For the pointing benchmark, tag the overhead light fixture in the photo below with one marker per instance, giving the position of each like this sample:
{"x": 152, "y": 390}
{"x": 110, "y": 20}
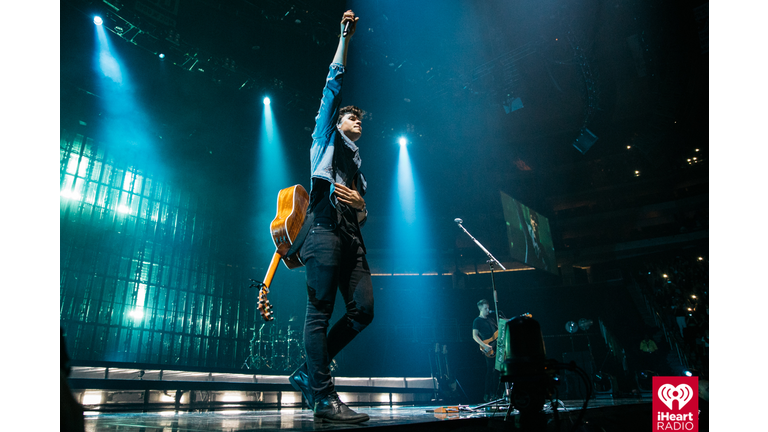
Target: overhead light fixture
{"x": 585, "y": 140}
{"x": 97, "y": 20}
{"x": 266, "y": 101}
{"x": 585, "y": 324}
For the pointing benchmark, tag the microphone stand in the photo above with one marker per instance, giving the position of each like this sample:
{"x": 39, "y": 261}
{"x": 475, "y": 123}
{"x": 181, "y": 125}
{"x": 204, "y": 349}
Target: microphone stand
{"x": 491, "y": 261}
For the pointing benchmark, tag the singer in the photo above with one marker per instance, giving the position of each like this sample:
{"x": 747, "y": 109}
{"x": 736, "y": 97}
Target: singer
{"x": 333, "y": 251}
{"x": 484, "y": 332}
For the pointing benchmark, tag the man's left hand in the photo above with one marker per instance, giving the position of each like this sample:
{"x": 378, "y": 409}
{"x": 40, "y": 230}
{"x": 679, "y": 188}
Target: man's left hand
{"x": 349, "y": 196}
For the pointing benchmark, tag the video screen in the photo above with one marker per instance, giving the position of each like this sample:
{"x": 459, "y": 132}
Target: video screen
{"x": 530, "y": 240}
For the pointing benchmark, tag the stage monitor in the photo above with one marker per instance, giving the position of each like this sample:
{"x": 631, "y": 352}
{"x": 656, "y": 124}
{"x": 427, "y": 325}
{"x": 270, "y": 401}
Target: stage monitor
{"x": 530, "y": 240}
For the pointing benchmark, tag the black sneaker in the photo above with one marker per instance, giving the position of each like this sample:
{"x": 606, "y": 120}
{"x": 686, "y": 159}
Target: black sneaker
{"x": 300, "y": 381}
{"x": 331, "y": 409}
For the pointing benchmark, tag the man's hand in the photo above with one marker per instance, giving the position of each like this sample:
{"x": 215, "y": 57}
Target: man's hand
{"x": 349, "y": 17}
{"x": 349, "y": 196}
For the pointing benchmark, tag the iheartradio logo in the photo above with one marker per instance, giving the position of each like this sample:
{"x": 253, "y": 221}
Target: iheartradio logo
{"x": 682, "y": 394}
{"x": 671, "y": 416}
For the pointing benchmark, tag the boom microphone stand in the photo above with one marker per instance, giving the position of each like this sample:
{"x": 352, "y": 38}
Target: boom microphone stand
{"x": 491, "y": 261}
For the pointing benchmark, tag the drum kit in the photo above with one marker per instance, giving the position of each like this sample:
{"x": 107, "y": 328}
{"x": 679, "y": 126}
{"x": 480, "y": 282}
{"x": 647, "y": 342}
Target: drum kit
{"x": 276, "y": 348}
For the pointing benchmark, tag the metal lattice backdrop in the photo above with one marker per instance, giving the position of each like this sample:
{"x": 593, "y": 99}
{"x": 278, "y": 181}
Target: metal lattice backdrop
{"x": 142, "y": 278}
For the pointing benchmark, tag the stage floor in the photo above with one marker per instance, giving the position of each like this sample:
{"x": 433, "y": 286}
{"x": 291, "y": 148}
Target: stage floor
{"x": 400, "y": 418}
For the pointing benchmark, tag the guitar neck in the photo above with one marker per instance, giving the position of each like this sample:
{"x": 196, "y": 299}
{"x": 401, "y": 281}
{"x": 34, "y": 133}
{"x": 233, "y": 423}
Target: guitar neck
{"x": 272, "y": 268}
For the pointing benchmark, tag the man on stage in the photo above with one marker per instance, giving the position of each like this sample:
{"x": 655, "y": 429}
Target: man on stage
{"x": 333, "y": 251}
{"x": 484, "y": 327}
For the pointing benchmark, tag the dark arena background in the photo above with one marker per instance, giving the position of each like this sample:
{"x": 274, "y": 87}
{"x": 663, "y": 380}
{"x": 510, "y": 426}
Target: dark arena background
{"x": 570, "y": 138}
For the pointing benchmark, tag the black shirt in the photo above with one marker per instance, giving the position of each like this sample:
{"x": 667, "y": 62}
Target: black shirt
{"x": 342, "y": 215}
{"x": 486, "y": 327}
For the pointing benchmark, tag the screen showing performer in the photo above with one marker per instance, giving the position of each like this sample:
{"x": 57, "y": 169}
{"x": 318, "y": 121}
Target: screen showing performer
{"x": 530, "y": 240}
{"x": 333, "y": 250}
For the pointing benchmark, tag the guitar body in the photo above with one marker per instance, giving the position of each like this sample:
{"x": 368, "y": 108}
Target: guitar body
{"x": 292, "y": 203}
{"x": 491, "y": 353}
{"x": 292, "y": 206}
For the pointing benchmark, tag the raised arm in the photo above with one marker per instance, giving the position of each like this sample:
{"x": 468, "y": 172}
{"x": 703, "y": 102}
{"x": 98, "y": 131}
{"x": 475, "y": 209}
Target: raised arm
{"x": 341, "y": 50}
{"x": 331, "y": 101}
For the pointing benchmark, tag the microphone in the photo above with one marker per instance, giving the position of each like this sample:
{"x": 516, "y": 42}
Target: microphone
{"x": 458, "y": 221}
{"x": 346, "y": 29}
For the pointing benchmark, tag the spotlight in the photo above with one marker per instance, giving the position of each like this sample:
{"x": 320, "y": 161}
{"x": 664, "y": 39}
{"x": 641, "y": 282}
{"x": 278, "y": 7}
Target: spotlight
{"x": 664, "y": 276}
{"x": 97, "y": 20}
{"x": 403, "y": 142}
{"x": 688, "y": 373}
{"x": 266, "y": 101}
{"x": 162, "y": 56}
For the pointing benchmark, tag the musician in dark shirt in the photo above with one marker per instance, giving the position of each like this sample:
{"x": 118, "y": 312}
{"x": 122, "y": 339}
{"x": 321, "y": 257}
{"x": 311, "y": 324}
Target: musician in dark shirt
{"x": 485, "y": 327}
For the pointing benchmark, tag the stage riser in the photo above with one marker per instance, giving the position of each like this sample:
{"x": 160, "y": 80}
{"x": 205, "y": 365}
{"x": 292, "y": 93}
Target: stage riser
{"x": 158, "y": 400}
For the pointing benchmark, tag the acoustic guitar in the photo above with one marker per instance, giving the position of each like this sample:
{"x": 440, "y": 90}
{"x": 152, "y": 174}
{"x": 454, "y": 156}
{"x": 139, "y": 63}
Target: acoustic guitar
{"x": 292, "y": 203}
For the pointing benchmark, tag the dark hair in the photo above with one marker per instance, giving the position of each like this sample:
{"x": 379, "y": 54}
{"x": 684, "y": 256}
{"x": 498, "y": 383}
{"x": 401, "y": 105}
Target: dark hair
{"x": 481, "y": 303}
{"x": 349, "y": 109}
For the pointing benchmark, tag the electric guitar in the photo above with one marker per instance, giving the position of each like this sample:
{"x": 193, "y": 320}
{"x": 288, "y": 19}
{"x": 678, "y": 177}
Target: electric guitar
{"x": 490, "y": 352}
{"x": 292, "y": 203}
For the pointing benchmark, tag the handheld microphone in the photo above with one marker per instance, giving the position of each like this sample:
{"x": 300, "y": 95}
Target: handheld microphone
{"x": 458, "y": 221}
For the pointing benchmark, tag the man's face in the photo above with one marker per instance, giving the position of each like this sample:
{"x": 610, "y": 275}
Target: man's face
{"x": 485, "y": 309}
{"x": 352, "y": 126}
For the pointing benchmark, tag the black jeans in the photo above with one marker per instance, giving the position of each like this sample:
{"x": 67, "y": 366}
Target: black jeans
{"x": 334, "y": 260}
{"x": 491, "y": 377}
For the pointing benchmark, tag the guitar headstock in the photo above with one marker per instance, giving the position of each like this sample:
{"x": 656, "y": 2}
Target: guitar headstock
{"x": 264, "y": 306}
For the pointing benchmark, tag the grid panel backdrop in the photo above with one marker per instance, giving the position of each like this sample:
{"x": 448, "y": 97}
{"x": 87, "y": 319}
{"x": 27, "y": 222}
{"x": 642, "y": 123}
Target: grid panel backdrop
{"x": 142, "y": 276}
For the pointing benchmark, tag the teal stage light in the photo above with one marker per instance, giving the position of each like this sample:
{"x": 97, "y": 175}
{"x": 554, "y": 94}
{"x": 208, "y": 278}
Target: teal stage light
{"x": 97, "y": 20}
{"x": 266, "y": 101}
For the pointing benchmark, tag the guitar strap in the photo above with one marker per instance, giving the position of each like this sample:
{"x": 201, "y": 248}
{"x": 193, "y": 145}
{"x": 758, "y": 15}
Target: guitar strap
{"x": 293, "y": 252}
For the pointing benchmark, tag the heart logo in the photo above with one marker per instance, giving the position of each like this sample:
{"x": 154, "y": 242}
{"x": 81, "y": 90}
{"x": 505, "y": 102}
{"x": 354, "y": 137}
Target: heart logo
{"x": 669, "y": 393}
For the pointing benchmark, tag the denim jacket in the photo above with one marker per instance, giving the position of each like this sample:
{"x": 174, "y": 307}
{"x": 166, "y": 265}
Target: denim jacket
{"x": 334, "y": 157}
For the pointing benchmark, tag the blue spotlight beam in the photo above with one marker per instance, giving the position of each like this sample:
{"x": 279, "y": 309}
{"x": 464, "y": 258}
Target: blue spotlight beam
{"x": 107, "y": 62}
{"x": 405, "y": 185}
{"x": 409, "y": 229}
{"x": 271, "y": 166}
{"x": 126, "y": 126}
